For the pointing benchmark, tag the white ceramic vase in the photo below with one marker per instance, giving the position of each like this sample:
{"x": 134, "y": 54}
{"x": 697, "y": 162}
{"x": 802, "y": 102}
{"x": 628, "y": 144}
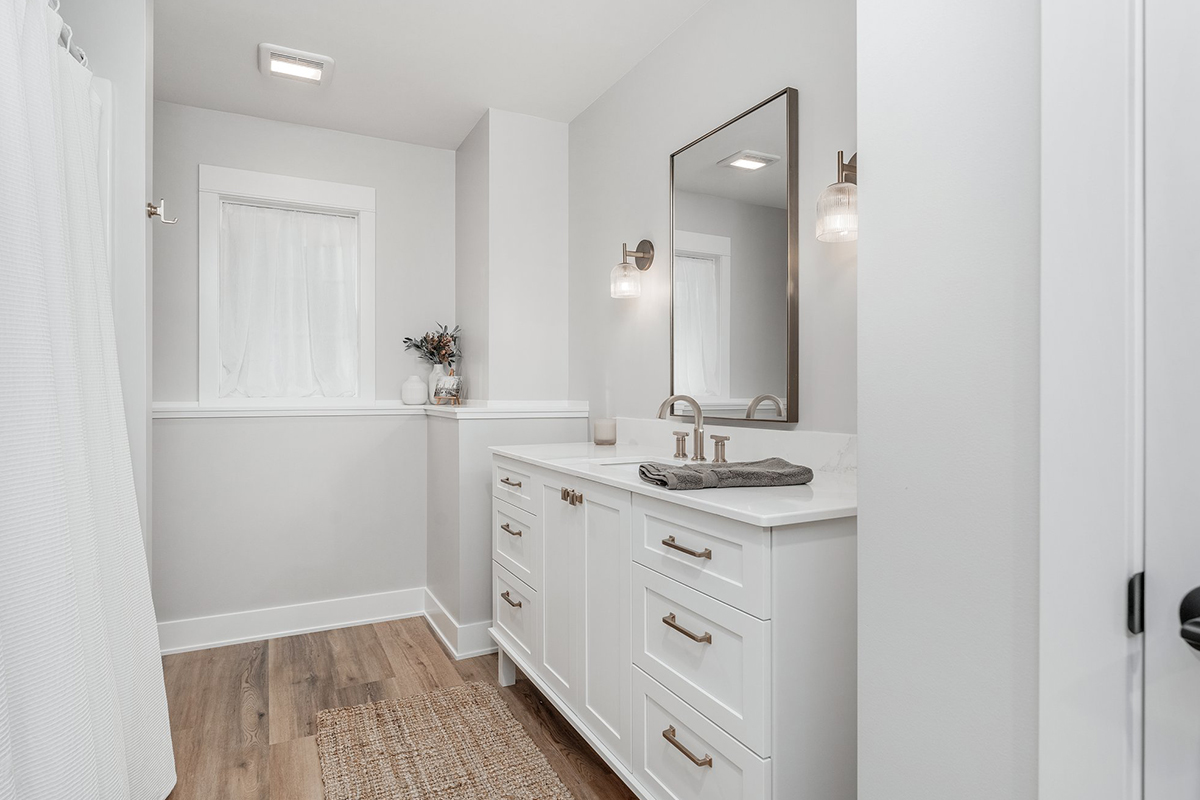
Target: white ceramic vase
{"x": 439, "y": 371}
{"x": 413, "y": 391}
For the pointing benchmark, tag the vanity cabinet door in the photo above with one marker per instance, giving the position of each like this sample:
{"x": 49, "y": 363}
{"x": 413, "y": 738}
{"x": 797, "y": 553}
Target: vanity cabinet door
{"x": 562, "y": 635}
{"x": 603, "y": 525}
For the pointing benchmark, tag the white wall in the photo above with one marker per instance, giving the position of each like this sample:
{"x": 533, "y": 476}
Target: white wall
{"x": 512, "y": 257}
{"x": 724, "y": 59}
{"x": 118, "y": 36}
{"x": 266, "y": 511}
{"x": 948, "y": 398}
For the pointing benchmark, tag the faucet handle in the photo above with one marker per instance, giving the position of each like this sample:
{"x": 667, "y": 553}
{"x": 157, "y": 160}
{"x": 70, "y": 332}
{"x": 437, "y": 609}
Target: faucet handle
{"x": 681, "y": 443}
{"x": 719, "y": 448}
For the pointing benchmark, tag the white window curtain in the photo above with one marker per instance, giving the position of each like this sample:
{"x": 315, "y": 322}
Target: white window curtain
{"x": 288, "y": 303}
{"x": 83, "y": 710}
{"x": 697, "y": 326}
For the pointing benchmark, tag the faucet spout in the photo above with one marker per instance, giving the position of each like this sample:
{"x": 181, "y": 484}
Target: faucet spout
{"x": 763, "y": 398}
{"x": 697, "y": 414}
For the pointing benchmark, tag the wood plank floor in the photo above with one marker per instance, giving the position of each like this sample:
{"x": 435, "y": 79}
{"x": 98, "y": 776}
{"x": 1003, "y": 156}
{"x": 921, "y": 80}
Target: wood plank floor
{"x": 243, "y": 717}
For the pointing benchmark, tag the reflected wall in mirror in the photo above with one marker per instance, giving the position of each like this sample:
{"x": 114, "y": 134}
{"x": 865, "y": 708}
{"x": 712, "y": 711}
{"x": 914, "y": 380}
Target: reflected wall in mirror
{"x": 734, "y": 302}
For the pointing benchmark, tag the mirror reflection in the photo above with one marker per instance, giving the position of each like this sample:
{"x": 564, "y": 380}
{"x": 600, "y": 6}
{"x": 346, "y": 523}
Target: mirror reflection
{"x": 730, "y": 302}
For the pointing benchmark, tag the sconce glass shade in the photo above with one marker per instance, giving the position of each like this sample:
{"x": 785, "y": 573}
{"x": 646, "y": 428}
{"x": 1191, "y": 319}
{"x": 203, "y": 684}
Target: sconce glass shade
{"x": 625, "y": 280}
{"x": 837, "y": 213}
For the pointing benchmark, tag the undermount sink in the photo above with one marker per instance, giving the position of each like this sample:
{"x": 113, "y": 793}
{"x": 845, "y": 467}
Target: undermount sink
{"x": 620, "y": 462}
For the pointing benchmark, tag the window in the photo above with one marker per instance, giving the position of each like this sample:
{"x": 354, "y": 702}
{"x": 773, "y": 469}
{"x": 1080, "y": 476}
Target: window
{"x": 702, "y": 311}
{"x": 287, "y": 277}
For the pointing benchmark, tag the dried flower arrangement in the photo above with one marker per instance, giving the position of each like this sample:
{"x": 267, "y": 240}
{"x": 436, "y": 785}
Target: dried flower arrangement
{"x": 437, "y": 347}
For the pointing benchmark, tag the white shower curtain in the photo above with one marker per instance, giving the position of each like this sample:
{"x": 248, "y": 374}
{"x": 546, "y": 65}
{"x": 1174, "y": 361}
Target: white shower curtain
{"x": 82, "y": 704}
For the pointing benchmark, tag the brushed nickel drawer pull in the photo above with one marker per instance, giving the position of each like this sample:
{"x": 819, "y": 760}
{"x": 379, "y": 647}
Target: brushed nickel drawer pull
{"x": 670, "y": 542}
{"x": 669, "y": 621}
{"x": 514, "y": 603}
{"x": 669, "y": 735}
{"x": 514, "y": 484}
{"x": 509, "y": 530}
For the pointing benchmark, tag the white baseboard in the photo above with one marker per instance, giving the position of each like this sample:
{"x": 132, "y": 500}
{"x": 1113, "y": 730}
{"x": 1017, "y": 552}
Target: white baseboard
{"x": 199, "y": 633}
{"x": 463, "y": 641}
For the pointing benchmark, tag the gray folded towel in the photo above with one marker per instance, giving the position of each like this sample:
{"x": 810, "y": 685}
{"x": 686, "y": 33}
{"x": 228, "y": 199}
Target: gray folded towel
{"x": 700, "y": 475}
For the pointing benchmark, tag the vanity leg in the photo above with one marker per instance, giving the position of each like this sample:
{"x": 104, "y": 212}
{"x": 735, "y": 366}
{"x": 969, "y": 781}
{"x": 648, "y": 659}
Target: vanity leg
{"x": 508, "y": 669}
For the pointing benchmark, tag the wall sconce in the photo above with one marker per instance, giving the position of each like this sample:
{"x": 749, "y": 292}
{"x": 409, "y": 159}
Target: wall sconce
{"x": 837, "y": 207}
{"x": 626, "y": 279}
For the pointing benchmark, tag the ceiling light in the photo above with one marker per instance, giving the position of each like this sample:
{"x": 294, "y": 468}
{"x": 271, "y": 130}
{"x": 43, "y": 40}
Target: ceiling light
{"x": 748, "y": 160}
{"x": 297, "y": 65}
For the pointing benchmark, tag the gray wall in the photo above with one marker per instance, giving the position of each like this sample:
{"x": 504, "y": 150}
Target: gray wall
{"x": 472, "y": 246}
{"x": 949, "y": 133}
{"x": 262, "y": 512}
{"x": 713, "y": 67}
{"x": 414, "y": 260}
{"x": 511, "y": 273}
{"x": 758, "y": 286}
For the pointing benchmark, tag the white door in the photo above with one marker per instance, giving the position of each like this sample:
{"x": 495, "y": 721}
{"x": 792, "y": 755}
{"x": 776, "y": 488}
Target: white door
{"x": 603, "y": 582}
{"x": 1172, "y": 676}
{"x": 561, "y": 635}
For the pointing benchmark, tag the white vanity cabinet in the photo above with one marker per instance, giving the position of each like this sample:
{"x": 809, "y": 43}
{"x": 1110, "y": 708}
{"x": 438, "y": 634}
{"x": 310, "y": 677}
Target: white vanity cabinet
{"x": 701, "y": 654}
{"x": 583, "y": 600}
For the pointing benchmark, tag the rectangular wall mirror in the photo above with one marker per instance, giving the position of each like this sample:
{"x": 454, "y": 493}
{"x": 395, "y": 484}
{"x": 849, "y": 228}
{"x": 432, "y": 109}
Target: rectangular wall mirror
{"x": 735, "y": 304}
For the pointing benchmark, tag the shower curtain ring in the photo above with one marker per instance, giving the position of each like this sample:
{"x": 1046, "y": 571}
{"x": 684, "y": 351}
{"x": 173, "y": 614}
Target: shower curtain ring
{"x": 54, "y": 5}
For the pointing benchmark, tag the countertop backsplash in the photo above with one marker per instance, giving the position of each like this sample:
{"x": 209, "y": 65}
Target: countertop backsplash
{"x": 826, "y": 452}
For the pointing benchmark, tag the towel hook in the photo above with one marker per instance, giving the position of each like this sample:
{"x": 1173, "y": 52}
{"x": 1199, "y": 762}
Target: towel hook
{"x": 159, "y": 211}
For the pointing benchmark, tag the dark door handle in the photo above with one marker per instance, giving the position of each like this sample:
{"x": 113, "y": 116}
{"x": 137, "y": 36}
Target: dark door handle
{"x": 1189, "y": 618}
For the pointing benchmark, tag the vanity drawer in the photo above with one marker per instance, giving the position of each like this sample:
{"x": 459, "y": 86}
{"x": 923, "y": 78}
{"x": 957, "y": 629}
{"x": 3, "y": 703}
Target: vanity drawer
{"x": 713, "y": 656}
{"x": 513, "y": 481}
{"x": 726, "y": 559}
{"x": 516, "y": 612}
{"x": 517, "y": 542}
{"x": 660, "y": 765}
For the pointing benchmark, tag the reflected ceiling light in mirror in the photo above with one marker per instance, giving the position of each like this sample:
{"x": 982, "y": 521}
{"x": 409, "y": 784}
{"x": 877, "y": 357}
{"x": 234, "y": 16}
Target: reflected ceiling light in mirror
{"x": 625, "y": 280}
{"x": 837, "y": 207}
{"x": 749, "y": 160}
{"x": 297, "y": 65}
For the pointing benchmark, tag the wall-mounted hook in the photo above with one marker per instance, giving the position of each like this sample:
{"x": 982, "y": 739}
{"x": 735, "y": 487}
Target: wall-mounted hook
{"x": 159, "y": 211}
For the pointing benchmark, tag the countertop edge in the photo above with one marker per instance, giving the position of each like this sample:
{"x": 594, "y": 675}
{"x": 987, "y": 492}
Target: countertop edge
{"x": 683, "y": 498}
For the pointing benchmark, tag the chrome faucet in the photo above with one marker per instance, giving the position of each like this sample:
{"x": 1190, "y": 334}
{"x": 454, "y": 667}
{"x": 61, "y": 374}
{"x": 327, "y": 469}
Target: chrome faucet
{"x": 697, "y": 414}
{"x": 762, "y": 398}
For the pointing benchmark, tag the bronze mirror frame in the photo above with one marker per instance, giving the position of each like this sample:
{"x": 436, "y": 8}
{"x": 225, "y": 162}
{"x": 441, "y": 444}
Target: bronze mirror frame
{"x": 793, "y": 285}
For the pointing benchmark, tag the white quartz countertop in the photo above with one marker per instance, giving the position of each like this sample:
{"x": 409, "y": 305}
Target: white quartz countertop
{"x": 830, "y": 495}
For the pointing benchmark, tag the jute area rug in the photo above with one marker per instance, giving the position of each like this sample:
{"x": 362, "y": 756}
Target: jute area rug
{"x": 460, "y": 743}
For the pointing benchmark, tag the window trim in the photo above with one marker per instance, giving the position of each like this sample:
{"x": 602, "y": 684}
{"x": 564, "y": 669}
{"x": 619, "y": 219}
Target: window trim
{"x": 218, "y": 184}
